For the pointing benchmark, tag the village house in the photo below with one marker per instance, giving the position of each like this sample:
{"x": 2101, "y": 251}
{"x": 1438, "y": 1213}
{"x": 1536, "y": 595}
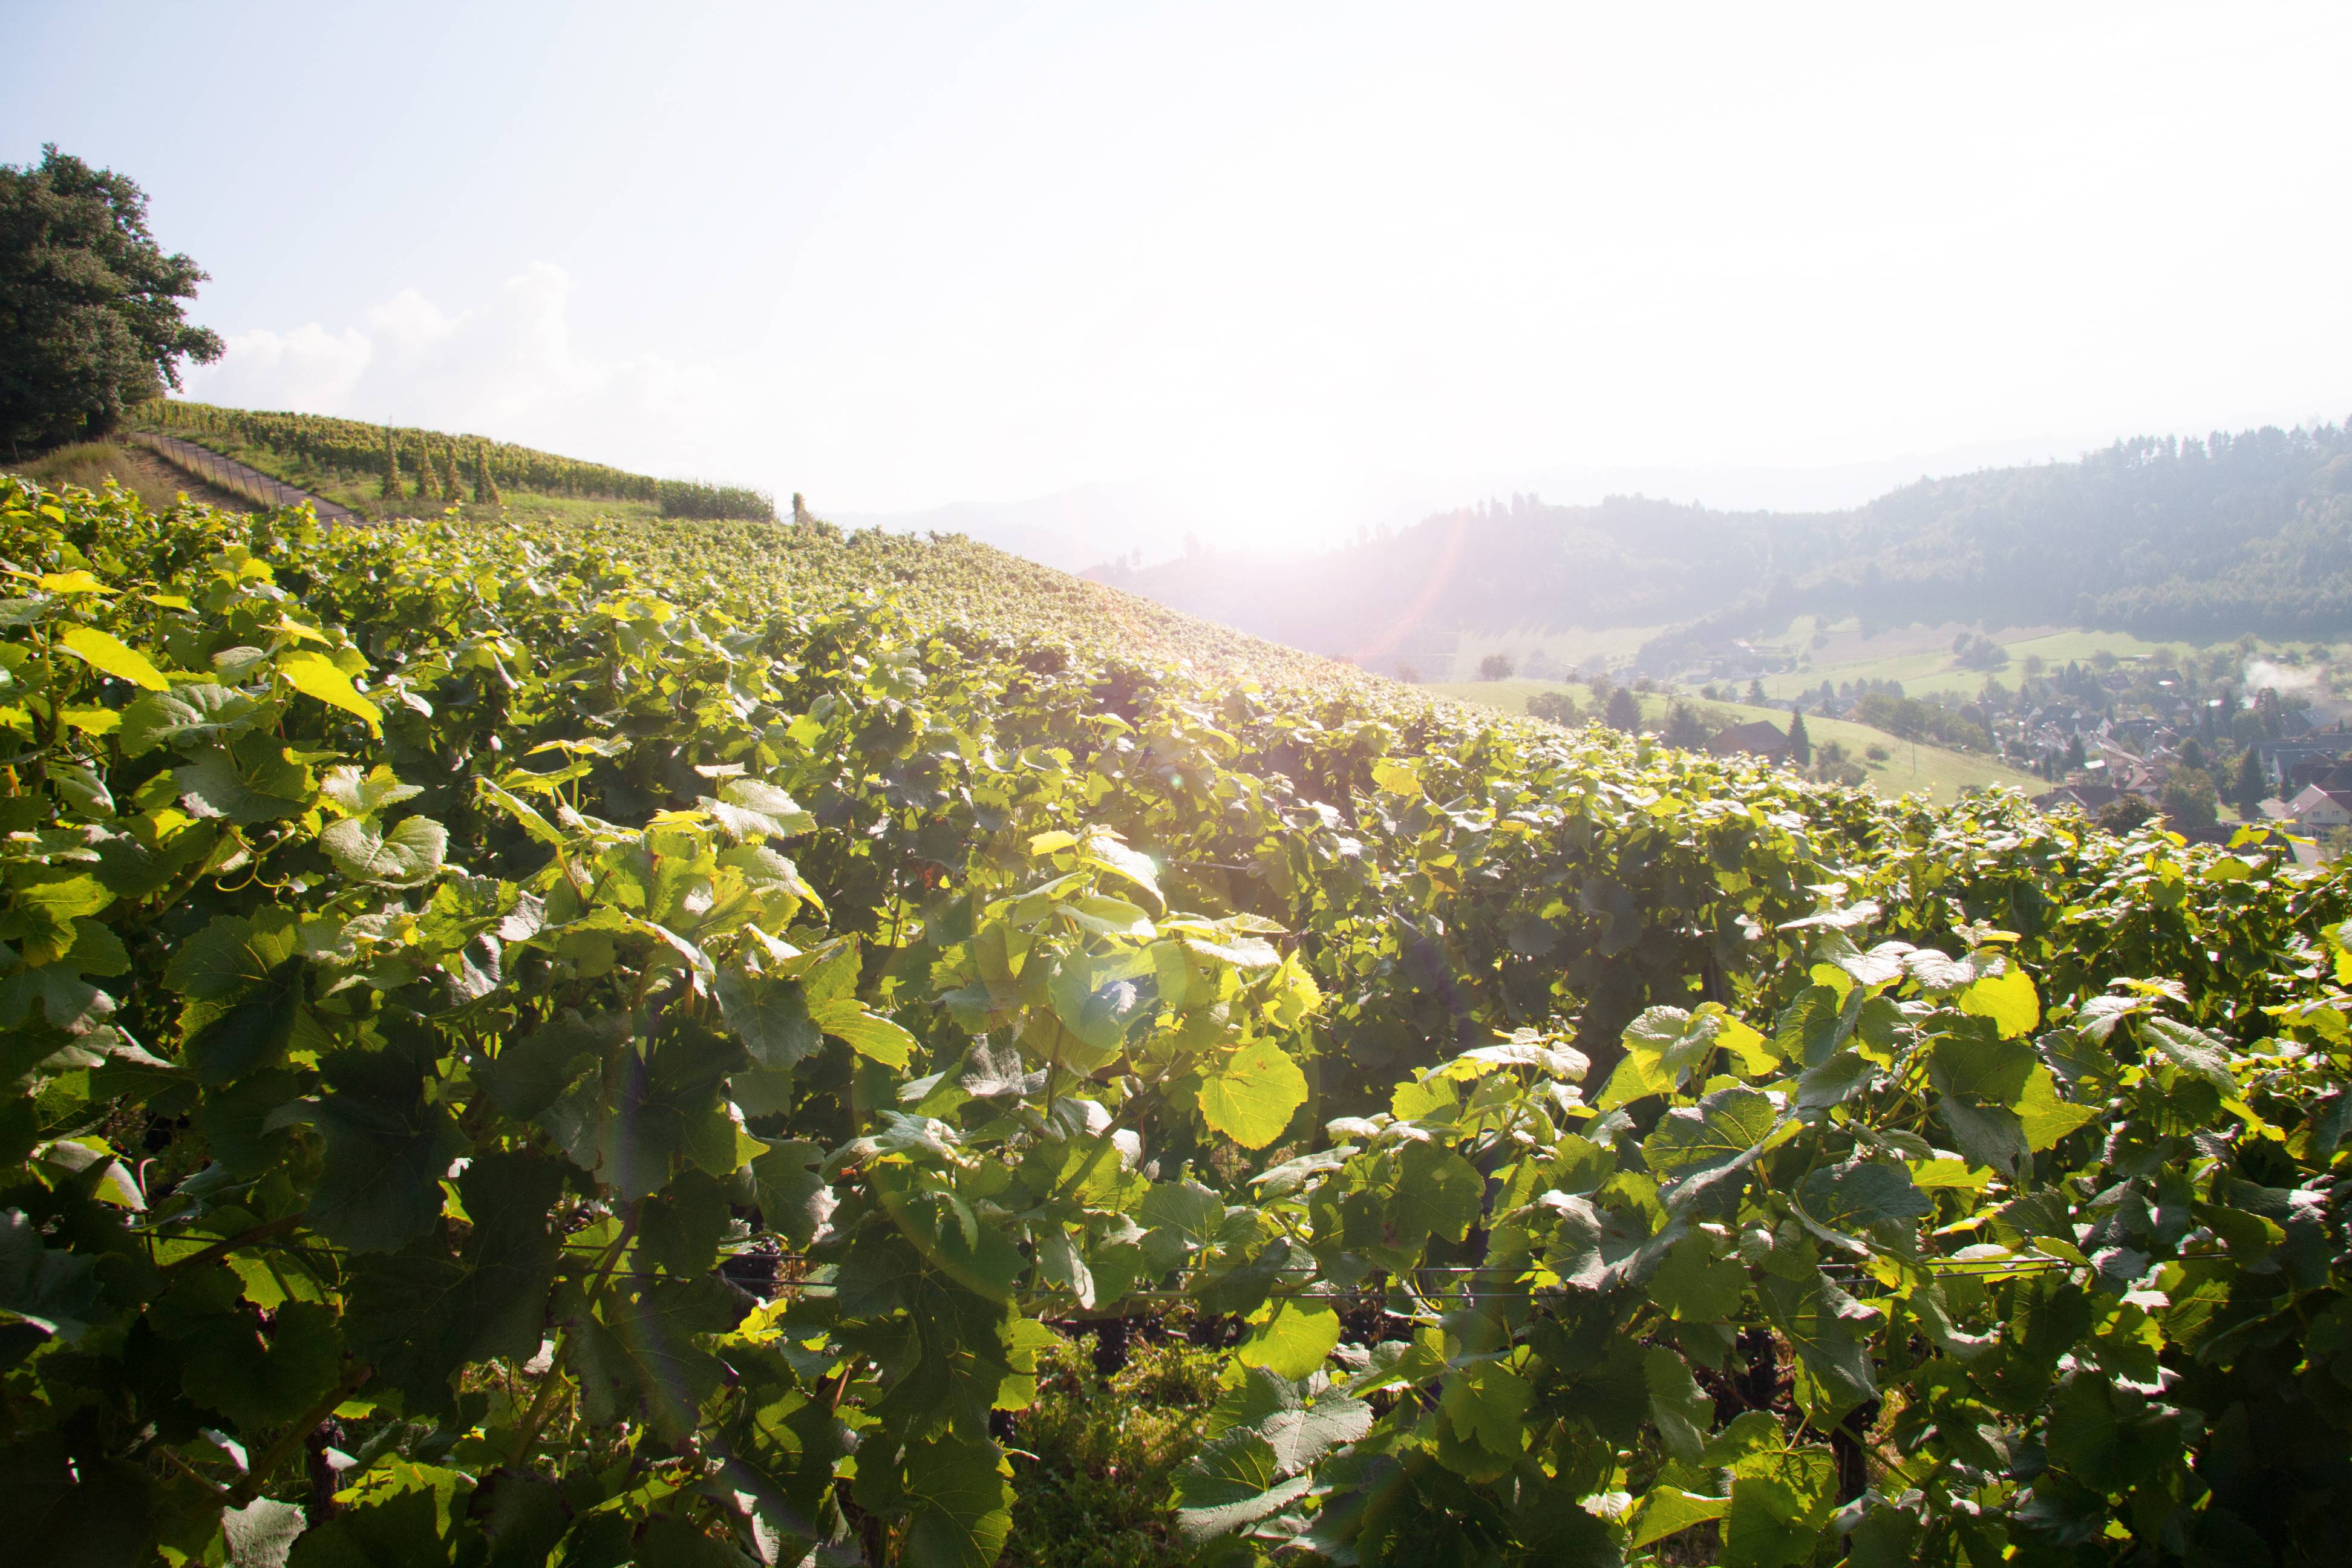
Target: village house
{"x": 2318, "y": 808}
{"x": 2086, "y": 799}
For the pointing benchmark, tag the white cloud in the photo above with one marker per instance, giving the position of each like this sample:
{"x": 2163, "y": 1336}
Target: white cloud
{"x": 506, "y": 365}
{"x": 308, "y": 369}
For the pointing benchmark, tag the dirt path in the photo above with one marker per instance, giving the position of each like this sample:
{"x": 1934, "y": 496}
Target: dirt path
{"x": 240, "y": 480}
{"x": 159, "y": 481}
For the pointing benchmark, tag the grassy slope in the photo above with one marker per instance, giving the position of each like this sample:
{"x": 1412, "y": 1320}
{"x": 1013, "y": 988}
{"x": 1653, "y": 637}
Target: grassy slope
{"x": 90, "y": 464}
{"x": 1930, "y": 770}
{"x": 1896, "y": 654}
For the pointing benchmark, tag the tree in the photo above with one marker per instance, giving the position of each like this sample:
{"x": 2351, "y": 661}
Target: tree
{"x": 90, "y": 316}
{"x": 1801, "y": 745}
{"x": 1553, "y": 707}
{"x": 2076, "y": 757}
{"x": 1495, "y": 667}
{"x": 1683, "y": 727}
{"x": 1623, "y": 712}
{"x": 1408, "y": 673}
{"x": 2248, "y": 788}
{"x": 452, "y": 491}
{"x": 1756, "y": 698}
{"x": 390, "y": 489}
{"x": 485, "y": 489}
{"x": 428, "y": 486}
{"x": 2189, "y": 799}
{"x": 2125, "y": 812}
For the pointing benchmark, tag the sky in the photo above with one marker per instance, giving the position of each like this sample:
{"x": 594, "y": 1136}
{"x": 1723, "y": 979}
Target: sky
{"x": 1284, "y": 269}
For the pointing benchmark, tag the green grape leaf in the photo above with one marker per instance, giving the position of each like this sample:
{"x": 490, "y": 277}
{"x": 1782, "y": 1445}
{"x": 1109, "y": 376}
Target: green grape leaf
{"x": 1298, "y": 1431}
{"x": 1665, "y": 1509}
{"x": 1993, "y": 1137}
{"x": 1484, "y": 1403}
{"x": 868, "y": 1034}
{"x": 2008, "y": 999}
{"x": 110, "y": 656}
{"x": 771, "y": 1017}
{"x": 962, "y": 1505}
{"x": 313, "y": 673}
{"x": 402, "y": 1527}
{"x": 643, "y": 1357}
{"x": 1662, "y": 1046}
{"x": 1683, "y": 1411}
{"x": 1701, "y": 1150}
{"x": 794, "y": 1199}
{"x": 194, "y": 713}
{"x": 365, "y": 794}
{"x": 1187, "y": 1209}
{"x": 1829, "y": 1329}
{"x": 1234, "y": 1480}
{"x": 749, "y": 809}
{"x": 380, "y": 1186}
{"x": 2046, "y": 1118}
{"x": 2192, "y": 1050}
{"x": 1780, "y": 1502}
{"x": 251, "y": 782}
{"x": 1438, "y": 1193}
{"x": 54, "y": 1290}
{"x": 532, "y": 1072}
{"x": 1981, "y": 1069}
{"x": 261, "y": 1533}
{"x": 1293, "y": 1343}
{"x": 1810, "y": 1030}
{"x": 1251, "y": 1096}
{"x": 259, "y": 1383}
{"x": 410, "y": 856}
{"x": 1694, "y": 1285}
{"x": 1856, "y": 1196}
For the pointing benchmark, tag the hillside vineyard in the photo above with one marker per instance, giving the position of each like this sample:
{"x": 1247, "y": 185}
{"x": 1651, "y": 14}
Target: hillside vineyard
{"x": 601, "y": 1044}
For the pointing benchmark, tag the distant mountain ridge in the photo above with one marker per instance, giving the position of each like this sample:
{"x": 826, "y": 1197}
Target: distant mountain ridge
{"x": 2159, "y": 536}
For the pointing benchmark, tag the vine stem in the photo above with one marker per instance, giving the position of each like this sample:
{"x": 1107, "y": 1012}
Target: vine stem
{"x": 542, "y": 1407}
{"x": 543, "y": 1404}
{"x": 222, "y": 1248}
{"x": 249, "y": 1486}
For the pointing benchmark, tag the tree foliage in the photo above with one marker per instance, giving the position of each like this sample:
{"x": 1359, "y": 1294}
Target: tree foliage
{"x": 91, "y": 308}
{"x": 526, "y": 1057}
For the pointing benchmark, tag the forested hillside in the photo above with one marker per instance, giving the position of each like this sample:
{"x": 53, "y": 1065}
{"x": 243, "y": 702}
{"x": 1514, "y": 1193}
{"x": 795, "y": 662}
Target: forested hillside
{"x": 2199, "y": 539}
{"x": 600, "y": 1044}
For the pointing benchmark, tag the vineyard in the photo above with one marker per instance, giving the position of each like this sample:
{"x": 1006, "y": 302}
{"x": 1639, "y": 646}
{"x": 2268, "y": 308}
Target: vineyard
{"x": 378, "y": 468}
{"x": 654, "y": 1043}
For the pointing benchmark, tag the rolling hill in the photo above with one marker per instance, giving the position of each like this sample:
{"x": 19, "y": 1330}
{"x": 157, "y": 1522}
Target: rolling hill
{"x": 2199, "y": 539}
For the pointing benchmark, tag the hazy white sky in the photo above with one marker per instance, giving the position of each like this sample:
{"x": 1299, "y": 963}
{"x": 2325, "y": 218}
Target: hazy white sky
{"x": 1277, "y": 257}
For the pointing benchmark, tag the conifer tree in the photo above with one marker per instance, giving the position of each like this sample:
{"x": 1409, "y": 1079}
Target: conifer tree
{"x": 1623, "y": 711}
{"x": 2251, "y": 783}
{"x": 391, "y": 490}
{"x": 485, "y": 489}
{"x": 1801, "y": 745}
